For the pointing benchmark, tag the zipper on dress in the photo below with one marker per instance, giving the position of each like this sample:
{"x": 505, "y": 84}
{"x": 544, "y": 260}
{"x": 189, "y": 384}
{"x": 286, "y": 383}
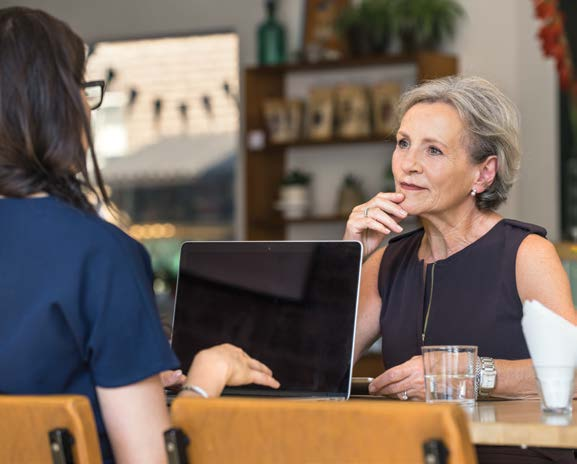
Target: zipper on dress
{"x": 429, "y": 305}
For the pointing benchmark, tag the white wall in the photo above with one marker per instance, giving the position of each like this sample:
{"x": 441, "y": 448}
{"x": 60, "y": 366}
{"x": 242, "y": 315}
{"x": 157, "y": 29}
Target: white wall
{"x": 497, "y": 41}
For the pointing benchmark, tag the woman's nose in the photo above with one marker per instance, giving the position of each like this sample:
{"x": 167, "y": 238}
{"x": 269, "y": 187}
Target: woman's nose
{"x": 411, "y": 161}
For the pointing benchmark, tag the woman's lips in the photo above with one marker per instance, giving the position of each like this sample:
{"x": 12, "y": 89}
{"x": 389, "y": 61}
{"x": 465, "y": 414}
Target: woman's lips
{"x": 411, "y": 187}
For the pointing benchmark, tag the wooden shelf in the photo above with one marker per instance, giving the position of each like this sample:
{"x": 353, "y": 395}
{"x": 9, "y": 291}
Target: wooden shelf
{"x": 281, "y": 222}
{"x": 317, "y": 219}
{"x": 332, "y": 141}
{"x": 377, "y": 60}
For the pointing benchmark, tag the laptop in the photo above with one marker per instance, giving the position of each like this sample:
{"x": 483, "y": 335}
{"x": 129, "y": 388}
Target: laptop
{"x": 290, "y": 304}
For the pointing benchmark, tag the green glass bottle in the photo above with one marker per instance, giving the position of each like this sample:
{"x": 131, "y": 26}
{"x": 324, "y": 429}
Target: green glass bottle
{"x": 271, "y": 38}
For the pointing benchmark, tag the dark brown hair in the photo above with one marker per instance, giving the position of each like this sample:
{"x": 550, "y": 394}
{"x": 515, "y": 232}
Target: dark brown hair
{"x": 44, "y": 125}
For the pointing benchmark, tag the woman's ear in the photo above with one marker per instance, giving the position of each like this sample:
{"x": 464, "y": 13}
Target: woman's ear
{"x": 486, "y": 174}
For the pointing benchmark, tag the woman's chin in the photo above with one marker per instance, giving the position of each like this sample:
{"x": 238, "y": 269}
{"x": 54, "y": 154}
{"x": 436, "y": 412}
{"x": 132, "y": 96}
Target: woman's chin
{"x": 411, "y": 207}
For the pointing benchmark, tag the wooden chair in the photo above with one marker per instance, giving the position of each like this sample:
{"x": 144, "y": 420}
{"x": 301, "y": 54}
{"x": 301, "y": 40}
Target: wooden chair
{"x": 287, "y": 431}
{"x": 57, "y": 429}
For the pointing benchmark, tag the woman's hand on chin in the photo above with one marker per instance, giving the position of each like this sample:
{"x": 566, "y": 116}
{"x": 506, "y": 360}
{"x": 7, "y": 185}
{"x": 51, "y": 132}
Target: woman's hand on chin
{"x": 370, "y": 222}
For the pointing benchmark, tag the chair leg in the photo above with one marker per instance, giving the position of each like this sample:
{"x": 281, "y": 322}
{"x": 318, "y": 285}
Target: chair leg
{"x": 175, "y": 442}
{"x": 61, "y": 441}
{"x": 435, "y": 452}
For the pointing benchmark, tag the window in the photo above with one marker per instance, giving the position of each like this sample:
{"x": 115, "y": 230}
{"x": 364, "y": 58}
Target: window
{"x": 167, "y": 137}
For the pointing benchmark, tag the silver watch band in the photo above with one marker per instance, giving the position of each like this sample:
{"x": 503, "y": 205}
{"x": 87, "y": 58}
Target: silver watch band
{"x": 487, "y": 376}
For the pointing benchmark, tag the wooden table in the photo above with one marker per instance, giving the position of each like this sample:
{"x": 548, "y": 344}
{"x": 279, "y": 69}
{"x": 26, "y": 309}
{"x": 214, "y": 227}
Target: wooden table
{"x": 515, "y": 423}
{"x": 521, "y": 423}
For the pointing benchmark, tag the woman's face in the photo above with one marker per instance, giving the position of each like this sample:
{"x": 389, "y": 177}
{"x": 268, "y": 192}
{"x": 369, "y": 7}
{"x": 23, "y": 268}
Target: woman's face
{"x": 431, "y": 165}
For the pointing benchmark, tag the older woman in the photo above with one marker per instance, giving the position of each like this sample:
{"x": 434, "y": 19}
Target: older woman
{"x": 462, "y": 278}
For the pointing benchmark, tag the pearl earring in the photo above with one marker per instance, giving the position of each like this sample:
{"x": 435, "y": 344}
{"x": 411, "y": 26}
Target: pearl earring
{"x": 473, "y": 192}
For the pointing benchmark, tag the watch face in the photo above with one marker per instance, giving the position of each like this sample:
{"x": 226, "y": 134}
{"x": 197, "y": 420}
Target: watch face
{"x": 487, "y": 382}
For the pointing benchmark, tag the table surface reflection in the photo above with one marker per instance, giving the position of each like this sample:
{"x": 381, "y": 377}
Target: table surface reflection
{"x": 521, "y": 422}
{"x": 516, "y": 423}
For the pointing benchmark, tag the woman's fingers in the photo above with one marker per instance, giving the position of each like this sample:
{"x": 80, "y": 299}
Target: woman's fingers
{"x": 244, "y": 370}
{"x": 387, "y": 221}
{"x": 260, "y": 378}
{"x": 172, "y": 378}
{"x": 377, "y": 226}
{"x": 258, "y": 366}
{"x": 404, "y": 378}
{"x": 386, "y": 381}
{"x": 383, "y": 202}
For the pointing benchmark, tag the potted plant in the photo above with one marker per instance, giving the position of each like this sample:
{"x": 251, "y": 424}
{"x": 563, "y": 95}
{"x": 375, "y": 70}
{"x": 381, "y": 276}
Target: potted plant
{"x": 367, "y": 27}
{"x": 294, "y": 195}
{"x": 425, "y": 24}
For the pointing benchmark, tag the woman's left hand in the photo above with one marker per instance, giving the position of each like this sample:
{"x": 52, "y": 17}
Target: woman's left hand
{"x": 405, "y": 381}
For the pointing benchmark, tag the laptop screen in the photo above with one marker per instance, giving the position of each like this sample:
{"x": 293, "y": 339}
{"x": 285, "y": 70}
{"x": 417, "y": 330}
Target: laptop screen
{"x": 291, "y": 305}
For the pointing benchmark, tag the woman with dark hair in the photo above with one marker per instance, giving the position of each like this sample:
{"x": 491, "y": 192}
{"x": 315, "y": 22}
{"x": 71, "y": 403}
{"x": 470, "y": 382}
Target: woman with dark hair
{"x": 78, "y": 313}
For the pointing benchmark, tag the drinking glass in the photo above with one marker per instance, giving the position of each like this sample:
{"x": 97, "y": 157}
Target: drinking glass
{"x": 556, "y": 385}
{"x": 450, "y": 373}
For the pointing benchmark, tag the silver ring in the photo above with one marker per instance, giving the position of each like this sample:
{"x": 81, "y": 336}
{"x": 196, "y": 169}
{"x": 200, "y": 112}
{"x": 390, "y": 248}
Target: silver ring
{"x": 366, "y": 212}
{"x": 404, "y": 396}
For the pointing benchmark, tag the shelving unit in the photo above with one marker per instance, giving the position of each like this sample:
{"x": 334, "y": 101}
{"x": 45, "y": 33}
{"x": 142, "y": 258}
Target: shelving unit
{"x": 332, "y": 141}
{"x": 264, "y": 168}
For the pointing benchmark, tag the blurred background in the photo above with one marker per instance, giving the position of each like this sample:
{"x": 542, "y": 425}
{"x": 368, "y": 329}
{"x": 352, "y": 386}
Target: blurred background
{"x": 261, "y": 119}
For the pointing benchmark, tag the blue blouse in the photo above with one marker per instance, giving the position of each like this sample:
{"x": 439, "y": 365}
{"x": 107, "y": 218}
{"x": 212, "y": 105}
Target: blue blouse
{"x": 77, "y": 307}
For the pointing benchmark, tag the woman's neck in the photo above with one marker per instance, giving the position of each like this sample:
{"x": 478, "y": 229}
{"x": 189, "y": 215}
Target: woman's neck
{"x": 448, "y": 234}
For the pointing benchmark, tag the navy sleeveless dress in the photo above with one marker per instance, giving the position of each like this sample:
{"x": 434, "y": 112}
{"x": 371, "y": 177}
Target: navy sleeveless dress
{"x": 470, "y": 298}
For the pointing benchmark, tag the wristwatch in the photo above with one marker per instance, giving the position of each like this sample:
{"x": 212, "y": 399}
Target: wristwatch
{"x": 486, "y": 376}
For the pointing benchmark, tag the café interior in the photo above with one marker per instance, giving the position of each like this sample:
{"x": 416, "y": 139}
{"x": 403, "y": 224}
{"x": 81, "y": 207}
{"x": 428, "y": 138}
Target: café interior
{"x": 269, "y": 121}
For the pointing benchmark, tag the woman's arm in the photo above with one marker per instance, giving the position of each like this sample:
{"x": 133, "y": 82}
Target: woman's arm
{"x": 367, "y": 330}
{"x": 135, "y": 417}
{"x": 515, "y": 379}
{"x": 370, "y": 223}
{"x": 540, "y": 276}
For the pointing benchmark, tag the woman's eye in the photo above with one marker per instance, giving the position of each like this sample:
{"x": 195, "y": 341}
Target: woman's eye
{"x": 402, "y": 143}
{"x": 434, "y": 151}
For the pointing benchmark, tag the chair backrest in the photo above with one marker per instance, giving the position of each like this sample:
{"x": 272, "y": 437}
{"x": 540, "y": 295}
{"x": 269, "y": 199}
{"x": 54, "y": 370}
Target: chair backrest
{"x": 37, "y": 429}
{"x": 286, "y": 431}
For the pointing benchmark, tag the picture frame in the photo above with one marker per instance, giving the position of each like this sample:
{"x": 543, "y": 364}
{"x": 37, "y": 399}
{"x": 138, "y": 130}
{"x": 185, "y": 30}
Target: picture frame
{"x": 320, "y": 114}
{"x": 353, "y": 113}
{"x": 320, "y": 37}
{"x": 385, "y": 97}
{"x": 283, "y": 119}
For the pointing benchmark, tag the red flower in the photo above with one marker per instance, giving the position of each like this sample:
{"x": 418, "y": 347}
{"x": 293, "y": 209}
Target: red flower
{"x": 550, "y": 34}
{"x": 559, "y": 52}
{"x": 545, "y": 8}
{"x": 554, "y": 43}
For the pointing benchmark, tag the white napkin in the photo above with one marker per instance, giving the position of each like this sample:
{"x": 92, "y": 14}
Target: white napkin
{"x": 552, "y": 343}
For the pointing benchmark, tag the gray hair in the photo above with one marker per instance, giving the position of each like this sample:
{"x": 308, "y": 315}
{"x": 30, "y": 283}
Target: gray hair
{"x": 491, "y": 123}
